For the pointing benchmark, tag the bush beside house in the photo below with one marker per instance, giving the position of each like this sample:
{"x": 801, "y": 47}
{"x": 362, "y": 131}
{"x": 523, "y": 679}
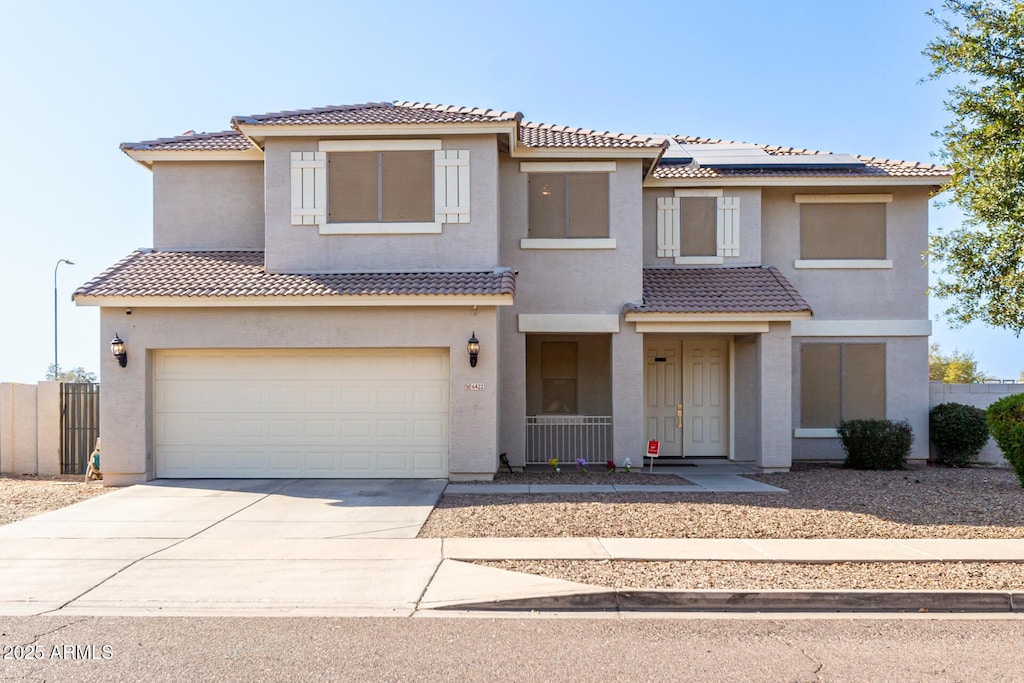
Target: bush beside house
{"x": 876, "y": 444}
{"x": 1006, "y": 421}
{"x": 959, "y": 432}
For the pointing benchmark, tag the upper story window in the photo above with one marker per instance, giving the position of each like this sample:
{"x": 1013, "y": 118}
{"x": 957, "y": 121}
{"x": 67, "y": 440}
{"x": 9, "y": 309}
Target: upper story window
{"x": 365, "y": 187}
{"x": 383, "y": 187}
{"x": 568, "y": 204}
{"x": 698, "y": 227}
{"x": 843, "y": 231}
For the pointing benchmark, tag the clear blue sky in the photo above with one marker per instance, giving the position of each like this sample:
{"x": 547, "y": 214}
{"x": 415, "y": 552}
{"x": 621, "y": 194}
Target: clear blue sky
{"x": 80, "y": 78}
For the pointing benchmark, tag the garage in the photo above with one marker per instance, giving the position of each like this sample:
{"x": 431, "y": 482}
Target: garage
{"x": 320, "y": 413}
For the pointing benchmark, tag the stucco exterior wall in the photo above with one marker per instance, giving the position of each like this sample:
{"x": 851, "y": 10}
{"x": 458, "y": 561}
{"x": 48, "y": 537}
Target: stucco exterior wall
{"x": 750, "y": 227}
{"x": 126, "y": 409}
{"x": 873, "y": 294}
{"x": 906, "y": 394}
{"x": 979, "y": 396}
{"x": 48, "y": 428}
{"x": 208, "y": 205}
{"x": 460, "y": 246}
{"x": 746, "y": 399}
{"x": 574, "y": 281}
{"x": 775, "y": 394}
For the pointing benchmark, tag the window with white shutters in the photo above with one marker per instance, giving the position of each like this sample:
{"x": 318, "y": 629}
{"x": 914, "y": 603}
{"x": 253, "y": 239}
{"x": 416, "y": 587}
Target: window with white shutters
{"x": 698, "y": 227}
{"x": 382, "y": 187}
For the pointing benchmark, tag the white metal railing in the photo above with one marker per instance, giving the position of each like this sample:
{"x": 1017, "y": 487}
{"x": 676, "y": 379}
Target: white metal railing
{"x": 568, "y": 437}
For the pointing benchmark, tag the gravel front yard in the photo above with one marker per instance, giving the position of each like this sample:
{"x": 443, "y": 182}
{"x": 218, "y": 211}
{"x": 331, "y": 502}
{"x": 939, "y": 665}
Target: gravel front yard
{"x": 24, "y": 496}
{"x": 690, "y": 575}
{"x": 823, "y": 502}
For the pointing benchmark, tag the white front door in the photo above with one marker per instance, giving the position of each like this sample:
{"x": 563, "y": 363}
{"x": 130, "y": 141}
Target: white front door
{"x": 663, "y": 367}
{"x": 705, "y": 398}
{"x": 686, "y": 388}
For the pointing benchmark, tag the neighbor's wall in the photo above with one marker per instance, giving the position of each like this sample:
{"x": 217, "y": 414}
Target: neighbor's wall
{"x": 30, "y": 428}
{"x": 208, "y": 205}
{"x": 979, "y": 396}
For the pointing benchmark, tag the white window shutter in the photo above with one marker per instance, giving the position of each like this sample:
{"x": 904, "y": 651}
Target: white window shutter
{"x": 309, "y": 188}
{"x": 728, "y": 226}
{"x": 668, "y": 226}
{"x": 451, "y": 185}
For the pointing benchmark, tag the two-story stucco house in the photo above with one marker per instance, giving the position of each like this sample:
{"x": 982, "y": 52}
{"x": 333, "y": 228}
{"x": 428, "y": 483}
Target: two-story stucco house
{"x": 318, "y": 280}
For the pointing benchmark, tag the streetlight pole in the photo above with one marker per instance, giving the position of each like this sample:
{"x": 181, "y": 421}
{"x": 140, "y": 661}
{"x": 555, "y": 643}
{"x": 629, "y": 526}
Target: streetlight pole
{"x": 56, "y": 368}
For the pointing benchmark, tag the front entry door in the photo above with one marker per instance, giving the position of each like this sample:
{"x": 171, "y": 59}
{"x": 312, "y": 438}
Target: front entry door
{"x": 664, "y": 402}
{"x": 705, "y": 398}
{"x": 687, "y": 396}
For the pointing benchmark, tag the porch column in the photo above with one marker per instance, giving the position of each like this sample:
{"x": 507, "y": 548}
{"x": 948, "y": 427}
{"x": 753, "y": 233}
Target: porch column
{"x": 776, "y": 391}
{"x": 628, "y": 396}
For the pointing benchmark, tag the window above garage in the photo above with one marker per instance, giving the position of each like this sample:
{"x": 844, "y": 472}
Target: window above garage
{"x": 365, "y": 187}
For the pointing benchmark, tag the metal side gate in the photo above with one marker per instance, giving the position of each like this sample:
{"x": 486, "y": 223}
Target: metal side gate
{"x": 79, "y": 424}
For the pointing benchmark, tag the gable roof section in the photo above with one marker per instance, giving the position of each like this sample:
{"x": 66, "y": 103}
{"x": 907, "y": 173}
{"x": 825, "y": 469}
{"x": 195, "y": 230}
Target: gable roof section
{"x": 548, "y": 135}
{"x": 226, "y": 140}
{"x": 754, "y": 290}
{"x": 377, "y": 113}
{"x": 238, "y": 278}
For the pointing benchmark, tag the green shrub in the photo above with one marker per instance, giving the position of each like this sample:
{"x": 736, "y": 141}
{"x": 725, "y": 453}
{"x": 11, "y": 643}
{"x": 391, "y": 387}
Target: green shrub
{"x": 959, "y": 433}
{"x": 876, "y": 444}
{"x": 1006, "y": 420}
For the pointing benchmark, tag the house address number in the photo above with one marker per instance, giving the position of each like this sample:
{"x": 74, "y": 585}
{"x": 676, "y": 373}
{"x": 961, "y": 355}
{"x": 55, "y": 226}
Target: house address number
{"x": 476, "y": 386}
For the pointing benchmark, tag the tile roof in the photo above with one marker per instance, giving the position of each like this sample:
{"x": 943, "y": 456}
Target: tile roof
{"x": 873, "y": 166}
{"x": 224, "y": 141}
{"x": 753, "y": 289}
{"x": 548, "y": 135}
{"x": 377, "y": 113}
{"x": 204, "y": 274}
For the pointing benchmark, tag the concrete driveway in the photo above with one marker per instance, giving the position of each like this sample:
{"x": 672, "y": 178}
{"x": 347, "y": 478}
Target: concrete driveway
{"x": 248, "y": 546}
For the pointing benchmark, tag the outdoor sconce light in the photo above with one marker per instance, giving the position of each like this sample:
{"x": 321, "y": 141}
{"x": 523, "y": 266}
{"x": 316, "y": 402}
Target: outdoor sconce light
{"x": 117, "y": 348}
{"x": 473, "y": 346}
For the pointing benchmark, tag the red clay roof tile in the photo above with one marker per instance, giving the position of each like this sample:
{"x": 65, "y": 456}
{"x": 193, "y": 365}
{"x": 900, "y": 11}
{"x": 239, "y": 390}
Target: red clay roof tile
{"x": 753, "y": 289}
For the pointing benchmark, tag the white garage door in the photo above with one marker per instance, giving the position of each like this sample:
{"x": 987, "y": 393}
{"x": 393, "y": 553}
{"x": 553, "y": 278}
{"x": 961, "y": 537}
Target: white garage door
{"x": 301, "y": 413}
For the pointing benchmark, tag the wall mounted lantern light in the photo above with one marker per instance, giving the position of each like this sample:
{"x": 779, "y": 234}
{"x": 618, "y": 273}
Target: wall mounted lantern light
{"x": 117, "y": 347}
{"x": 473, "y": 346}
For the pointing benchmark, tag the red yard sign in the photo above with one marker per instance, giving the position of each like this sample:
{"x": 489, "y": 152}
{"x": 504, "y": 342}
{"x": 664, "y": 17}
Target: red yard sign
{"x": 652, "y": 449}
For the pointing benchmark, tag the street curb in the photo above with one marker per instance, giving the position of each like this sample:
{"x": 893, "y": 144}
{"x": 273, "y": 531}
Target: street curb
{"x": 760, "y": 601}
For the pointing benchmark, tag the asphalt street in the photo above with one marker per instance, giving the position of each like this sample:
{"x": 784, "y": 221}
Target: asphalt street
{"x": 543, "y": 648}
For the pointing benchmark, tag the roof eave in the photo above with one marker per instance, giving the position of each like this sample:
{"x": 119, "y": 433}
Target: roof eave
{"x": 758, "y": 316}
{"x": 146, "y": 157}
{"x": 313, "y": 300}
{"x": 798, "y": 181}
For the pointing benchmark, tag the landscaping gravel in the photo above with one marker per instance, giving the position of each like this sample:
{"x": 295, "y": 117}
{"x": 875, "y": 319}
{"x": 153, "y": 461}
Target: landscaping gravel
{"x": 27, "y": 495}
{"x": 823, "y": 502}
{"x": 706, "y": 575}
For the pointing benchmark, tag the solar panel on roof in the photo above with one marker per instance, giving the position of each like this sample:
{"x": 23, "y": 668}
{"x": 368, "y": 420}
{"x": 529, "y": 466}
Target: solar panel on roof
{"x": 742, "y": 155}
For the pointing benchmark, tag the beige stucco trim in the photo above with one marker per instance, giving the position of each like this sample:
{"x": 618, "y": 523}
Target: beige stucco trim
{"x": 759, "y": 327}
{"x": 567, "y": 167}
{"x": 359, "y": 300}
{"x": 815, "y": 433}
{"x": 698, "y": 193}
{"x": 699, "y": 260}
{"x": 862, "y": 328}
{"x": 842, "y": 198}
{"x": 379, "y": 145}
{"x": 843, "y": 264}
{"x": 791, "y": 181}
{"x": 147, "y": 157}
{"x": 574, "y": 323}
{"x": 568, "y": 243}
{"x": 381, "y": 228}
